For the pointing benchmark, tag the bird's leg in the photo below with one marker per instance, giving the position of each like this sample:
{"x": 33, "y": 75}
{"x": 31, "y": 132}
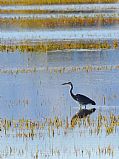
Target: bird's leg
{"x": 80, "y": 106}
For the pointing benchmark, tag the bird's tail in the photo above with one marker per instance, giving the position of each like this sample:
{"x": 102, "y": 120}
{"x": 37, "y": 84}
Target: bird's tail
{"x": 93, "y": 103}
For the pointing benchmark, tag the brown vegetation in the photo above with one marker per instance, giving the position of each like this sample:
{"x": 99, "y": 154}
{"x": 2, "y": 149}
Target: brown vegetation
{"x": 59, "y": 22}
{"x": 28, "y": 11}
{"x": 38, "y": 11}
{"x": 58, "y": 45}
{"x": 32, "y": 2}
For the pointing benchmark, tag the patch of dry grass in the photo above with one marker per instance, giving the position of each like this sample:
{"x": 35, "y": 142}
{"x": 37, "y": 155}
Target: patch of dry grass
{"x": 38, "y": 11}
{"x": 32, "y": 2}
{"x": 28, "y": 11}
{"x": 59, "y": 22}
{"x": 58, "y": 45}
{"x": 107, "y": 123}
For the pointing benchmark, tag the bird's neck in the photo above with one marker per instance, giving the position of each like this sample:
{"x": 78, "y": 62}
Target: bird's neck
{"x": 71, "y": 91}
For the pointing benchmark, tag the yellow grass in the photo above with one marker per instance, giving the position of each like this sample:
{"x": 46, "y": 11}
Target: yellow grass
{"x": 38, "y": 11}
{"x": 25, "y": 11}
{"x": 108, "y": 124}
{"x": 60, "y": 45}
{"x": 28, "y": 129}
{"x": 31, "y": 2}
{"x": 59, "y": 22}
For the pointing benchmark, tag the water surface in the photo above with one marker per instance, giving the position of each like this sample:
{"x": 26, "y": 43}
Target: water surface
{"x": 40, "y": 95}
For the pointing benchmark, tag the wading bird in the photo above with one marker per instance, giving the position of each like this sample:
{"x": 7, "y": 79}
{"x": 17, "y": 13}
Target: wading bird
{"x": 81, "y": 99}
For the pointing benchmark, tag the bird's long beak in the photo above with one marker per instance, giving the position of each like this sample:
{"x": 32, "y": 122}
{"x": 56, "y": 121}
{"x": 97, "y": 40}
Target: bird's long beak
{"x": 64, "y": 83}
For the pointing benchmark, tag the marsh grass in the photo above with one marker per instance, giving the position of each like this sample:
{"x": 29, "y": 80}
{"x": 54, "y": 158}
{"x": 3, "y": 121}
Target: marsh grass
{"x": 58, "y": 45}
{"x": 38, "y": 11}
{"x": 87, "y": 68}
{"x": 28, "y": 11}
{"x": 33, "y": 2}
{"x": 59, "y": 22}
{"x": 29, "y": 130}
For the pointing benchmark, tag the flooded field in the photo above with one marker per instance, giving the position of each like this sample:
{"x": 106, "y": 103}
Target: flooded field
{"x": 36, "y": 110}
{"x": 42, "y": 47}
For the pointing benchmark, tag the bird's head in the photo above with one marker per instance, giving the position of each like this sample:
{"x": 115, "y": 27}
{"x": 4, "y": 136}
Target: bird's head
{"x": 68, "y": 83}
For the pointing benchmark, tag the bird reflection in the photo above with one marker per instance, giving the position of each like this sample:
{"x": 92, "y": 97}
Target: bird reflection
{"x": 81, "y": 114}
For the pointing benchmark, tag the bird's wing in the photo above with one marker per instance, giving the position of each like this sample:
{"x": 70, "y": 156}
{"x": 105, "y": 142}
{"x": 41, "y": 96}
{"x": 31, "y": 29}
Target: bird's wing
{"x": 80, "y": 97}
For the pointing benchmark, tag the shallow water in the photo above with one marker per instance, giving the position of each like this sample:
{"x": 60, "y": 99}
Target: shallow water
{"x": 66, "y": 15}
{"x": 40, "y": 95}
{"x": 33, "y": 100}
{"x": 35, "y": 87}
{"x": 69, "y": 34}
{"x": 59, "y": 59}
{"x": 105, "y": 7}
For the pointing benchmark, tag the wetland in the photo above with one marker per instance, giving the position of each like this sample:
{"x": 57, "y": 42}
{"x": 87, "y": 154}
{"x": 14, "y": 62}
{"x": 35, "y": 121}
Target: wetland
{"x": 38, "y": 118}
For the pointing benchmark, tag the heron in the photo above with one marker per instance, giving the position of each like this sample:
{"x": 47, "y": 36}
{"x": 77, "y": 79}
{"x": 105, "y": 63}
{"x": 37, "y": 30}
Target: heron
{"x": 81, "y": 99}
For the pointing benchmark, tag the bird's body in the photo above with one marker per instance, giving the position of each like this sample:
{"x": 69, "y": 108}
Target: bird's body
{"x": 81, "y": 99}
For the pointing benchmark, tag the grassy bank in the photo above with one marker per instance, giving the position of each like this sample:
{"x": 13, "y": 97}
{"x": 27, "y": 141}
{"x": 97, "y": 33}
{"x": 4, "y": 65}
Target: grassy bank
{"x": 32, "y": 2}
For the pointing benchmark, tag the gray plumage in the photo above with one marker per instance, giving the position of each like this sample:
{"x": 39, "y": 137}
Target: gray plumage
{"x": 82, "y": 99}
